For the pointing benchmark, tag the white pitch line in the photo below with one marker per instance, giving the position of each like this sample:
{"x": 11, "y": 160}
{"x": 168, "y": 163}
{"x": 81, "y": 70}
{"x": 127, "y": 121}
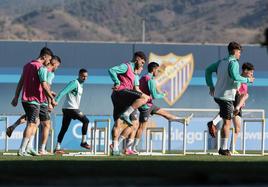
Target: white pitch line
{"x": 10, "y": 154}
{"x": 92, "y": 155}
{"x": 159, "y": 154}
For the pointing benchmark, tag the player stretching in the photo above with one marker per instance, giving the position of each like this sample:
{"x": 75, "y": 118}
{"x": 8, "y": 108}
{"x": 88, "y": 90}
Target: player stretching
{"x": 125, "y": 99}
{"x": 148, "y": 86}
{"x": 70, "y": 109}
{"x": 225, "y": 90}
{"x": 34, "y": 92}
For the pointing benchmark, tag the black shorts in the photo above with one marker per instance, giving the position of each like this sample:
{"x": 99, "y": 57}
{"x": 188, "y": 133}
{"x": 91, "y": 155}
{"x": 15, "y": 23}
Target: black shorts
{"x": 235, "y": 102}
{"x": 74, "y": 114}
{"x": 32, "y": 112}
{"x": 226, "y": 108}
{"x": 134, "y": 115}
{"x": 122, "y": 100}
{"x": 145, "y": 113}
{"x": 44, "y": 113}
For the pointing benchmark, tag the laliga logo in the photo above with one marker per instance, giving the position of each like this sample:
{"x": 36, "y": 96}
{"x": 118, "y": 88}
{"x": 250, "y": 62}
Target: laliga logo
{"x": 175, "y": 74}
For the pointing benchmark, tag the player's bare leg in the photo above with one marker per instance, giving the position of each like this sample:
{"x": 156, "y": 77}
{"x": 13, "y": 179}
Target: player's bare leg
{"x": 27, "y": 134}
{"x": 241, "y": 103}
{"x": 135, "y": 105}
{"x": 225, "y": 130}
{"x": 237, "y": 126}
{"x": 138, "y": 135}
{"x": 130, "y": 140}
{"x": 12, "y": 127}
{"x": 45, "y": 133}
{"x": 117, "y": 128}
{"x": 169, "y": 116}
{"x": 125, "y": 133}
{"x": 29, "y": 148}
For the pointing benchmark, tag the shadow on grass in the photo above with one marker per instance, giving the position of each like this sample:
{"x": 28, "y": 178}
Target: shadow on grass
{"x": 123, "y": 172}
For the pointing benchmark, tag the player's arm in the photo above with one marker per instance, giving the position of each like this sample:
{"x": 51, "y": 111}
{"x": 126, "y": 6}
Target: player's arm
{"x": 42, "y": 74}
{"x": 153, "y": 90}
{"x": 14, "y": 101}
{"x": 68, "y": 88}
{"x": 209, "y": 71}
{"x": 137, "y": 83}
{"x": 209, "y": 81}
{"x": 235, "y": 75}
{"x": 50, "y": 78}
{"x": 114, "y": 71}
{"x": 49, "y": 102}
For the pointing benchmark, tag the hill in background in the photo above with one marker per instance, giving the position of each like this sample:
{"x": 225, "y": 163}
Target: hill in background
{"x": 190, "y": 21}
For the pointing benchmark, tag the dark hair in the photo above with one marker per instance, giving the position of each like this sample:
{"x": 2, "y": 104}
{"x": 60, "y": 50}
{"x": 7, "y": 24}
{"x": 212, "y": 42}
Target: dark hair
{"x": 82, "y": 71}
{"x": 151, "y": 66}
{"x": 233, "y": 46}
{"x": 139, "y": 54}
{"x": 56, "y": 58}
{"x": 248, "y": 66}
{"x": 45, "y": 51}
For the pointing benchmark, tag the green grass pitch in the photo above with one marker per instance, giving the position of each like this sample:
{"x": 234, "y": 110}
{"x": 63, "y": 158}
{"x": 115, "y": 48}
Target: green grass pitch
{"x": 134, "y": 170}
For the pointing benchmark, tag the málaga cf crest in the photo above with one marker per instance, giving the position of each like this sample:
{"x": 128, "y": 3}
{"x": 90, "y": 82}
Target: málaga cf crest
{"x": 175, "y": 74}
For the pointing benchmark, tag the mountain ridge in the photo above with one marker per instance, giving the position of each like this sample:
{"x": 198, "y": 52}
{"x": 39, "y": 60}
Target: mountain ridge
{"x": 185, "y": 21}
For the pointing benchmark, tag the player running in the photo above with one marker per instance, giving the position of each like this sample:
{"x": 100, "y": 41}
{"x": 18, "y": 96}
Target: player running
{"x": 225, "y": 90}
{"x": 240, "y": 99}
{"x": 70, "y": 109}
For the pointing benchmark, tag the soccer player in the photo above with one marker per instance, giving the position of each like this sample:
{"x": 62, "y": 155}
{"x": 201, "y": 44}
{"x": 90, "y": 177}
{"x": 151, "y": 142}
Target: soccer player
{"x": 125, "y": 99}
{"x": 133, "y": 117}
{"x": 148, "y": 86}
{"x": 247, "y": 71}
{"x": 224, "y": 92}
{"x": 51, "y": 68}
{"x": 46, "y": 125}
{"x": 47, "y": 71}
{"x": 35, "y": 91}
{"x": 242, "y": 92}
{"x": 70, "y": 109}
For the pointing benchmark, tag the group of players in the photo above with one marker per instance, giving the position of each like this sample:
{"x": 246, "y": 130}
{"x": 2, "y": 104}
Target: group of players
{"x": 230, "y": 93}
{"x": 38, "y": 100}
{"x": 131, "y": 96}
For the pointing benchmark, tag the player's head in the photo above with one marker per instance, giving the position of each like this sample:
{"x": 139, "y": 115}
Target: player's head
{"x": 45, "y": 55}
{"x": 139, "y": 58}
{"x": 153, "y": 68}
{"x": 82, "y": 75}
{"x": 235, "y": 48}
{"x": 248, "y": 69}
{"x": 55, "y": 62}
